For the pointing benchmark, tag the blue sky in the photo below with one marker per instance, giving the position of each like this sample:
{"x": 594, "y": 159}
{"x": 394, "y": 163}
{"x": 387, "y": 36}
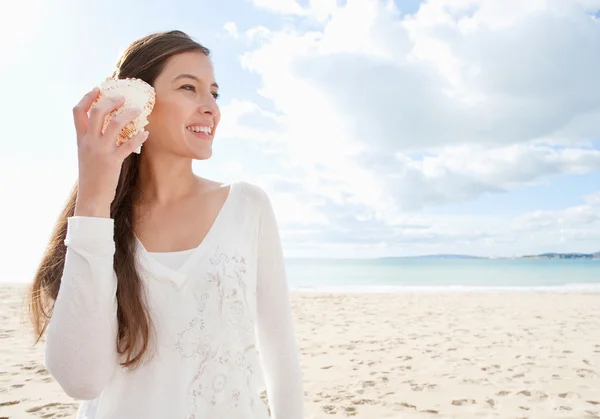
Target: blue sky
{"x": 378, "y": 128}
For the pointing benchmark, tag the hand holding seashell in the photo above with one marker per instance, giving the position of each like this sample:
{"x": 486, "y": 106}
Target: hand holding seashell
{"x": 109, "y": 128}
{"x": 138, "y": 95}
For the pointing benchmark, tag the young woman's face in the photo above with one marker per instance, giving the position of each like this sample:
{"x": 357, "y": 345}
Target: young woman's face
{"x": 186, "y": 114}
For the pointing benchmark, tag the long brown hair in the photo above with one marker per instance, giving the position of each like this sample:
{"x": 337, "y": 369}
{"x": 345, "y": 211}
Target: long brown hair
{"x": 144, "y": 59}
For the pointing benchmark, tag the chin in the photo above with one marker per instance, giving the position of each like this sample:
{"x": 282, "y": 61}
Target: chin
{"x": 201, "y": 154}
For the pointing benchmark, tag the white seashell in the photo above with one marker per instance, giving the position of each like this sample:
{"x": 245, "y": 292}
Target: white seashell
{"x": 138, "y": 94}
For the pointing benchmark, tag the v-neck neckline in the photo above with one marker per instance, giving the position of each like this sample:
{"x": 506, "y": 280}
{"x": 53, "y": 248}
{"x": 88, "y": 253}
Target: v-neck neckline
{"x": 179, "y": 276}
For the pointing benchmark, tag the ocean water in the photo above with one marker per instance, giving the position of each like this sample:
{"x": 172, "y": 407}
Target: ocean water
{"x": 434, "y": 275}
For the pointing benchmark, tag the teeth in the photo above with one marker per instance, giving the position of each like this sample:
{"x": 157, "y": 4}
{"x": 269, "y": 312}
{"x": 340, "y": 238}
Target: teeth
{"x": 206, "y": 130}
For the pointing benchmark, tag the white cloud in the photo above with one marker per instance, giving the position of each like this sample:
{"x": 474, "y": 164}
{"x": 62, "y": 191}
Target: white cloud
{"x": 319, "y": 10}
{"x": 289, "y": 7}
{"x": 232, "y": 167}
{"x": 578, "y": 224}
{"x": 575, "y": 228}
{"x": 459, "y": 173}
{"x": 384, "y": 114}
{"x": 245, "y": 119}
{"x": 231, "y": 29}
{"x": 422, "y": 80}
{"x": 258, "y": 33}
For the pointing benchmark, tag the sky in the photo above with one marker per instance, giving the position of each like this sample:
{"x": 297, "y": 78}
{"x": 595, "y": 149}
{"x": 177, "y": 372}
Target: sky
{"x": 378, "y": 128}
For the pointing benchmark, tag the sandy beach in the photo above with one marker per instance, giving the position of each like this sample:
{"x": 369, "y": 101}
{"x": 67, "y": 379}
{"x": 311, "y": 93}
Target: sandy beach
{"x": 454, "y": 355}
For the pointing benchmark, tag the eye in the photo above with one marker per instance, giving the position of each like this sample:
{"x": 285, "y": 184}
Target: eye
{"x": 188, "y": 87}
{"x": 215, "y": 95}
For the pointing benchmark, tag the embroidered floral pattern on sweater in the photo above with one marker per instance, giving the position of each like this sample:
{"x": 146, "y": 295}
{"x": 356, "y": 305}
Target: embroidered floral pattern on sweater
{"x": 220, "y": 339}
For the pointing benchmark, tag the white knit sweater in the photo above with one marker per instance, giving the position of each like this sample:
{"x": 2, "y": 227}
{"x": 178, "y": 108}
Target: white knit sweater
{"x": 221, "y": 311}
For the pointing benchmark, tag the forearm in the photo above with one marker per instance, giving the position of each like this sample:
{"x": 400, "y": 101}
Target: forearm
{"x": 281, "y": 366}
{"x": 81, "y": 337}
{"x": 275, "y": 325}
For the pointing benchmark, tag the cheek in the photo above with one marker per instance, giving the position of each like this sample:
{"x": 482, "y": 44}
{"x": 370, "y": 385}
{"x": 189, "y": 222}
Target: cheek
{"x": 169, "y": 112}
{"x": 163, "y": 123}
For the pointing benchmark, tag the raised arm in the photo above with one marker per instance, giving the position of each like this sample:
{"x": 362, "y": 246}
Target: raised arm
{"x": 81, "y": 338}
{"x": 81, "y": 341}
{"x": 276, "y": 336}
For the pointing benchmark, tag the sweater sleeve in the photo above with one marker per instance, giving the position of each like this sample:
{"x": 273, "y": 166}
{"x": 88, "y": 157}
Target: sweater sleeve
{"x": 275, "y": 328}
{"x": 80, "y": 350}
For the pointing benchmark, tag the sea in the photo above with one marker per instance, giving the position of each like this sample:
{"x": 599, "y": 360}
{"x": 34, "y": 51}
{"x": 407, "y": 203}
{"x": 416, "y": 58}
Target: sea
{"x": 443, "y": 275}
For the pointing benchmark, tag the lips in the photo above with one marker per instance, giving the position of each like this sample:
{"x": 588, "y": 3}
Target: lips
{"x": 201, "y": 130}
{"x": 202, "y": 133}
{"x": 207, "y": 129}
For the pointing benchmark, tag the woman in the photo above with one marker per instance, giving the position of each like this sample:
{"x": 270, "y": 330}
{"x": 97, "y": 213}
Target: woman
{"x": 163, "y": 294}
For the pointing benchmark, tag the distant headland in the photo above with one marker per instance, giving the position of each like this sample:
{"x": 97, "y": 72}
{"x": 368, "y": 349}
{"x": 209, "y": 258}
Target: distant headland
{"x": 595, "y": 255}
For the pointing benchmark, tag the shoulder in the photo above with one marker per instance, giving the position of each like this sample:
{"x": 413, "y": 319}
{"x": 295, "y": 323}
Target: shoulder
{"x": 254, "y": 195}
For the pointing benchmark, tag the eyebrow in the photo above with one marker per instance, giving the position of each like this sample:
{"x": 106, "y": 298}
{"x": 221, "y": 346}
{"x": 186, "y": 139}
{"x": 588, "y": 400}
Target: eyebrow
{"x": 191, "y": 76}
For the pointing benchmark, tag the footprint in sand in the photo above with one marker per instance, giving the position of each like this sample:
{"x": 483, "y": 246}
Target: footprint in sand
{"x": 408, "y": 406}
{"x": 350, "y": 411}
{"x": 584, "y": 372}
{"x": 565, "y": 408}
{"x": 38, "y": 408}
{"x": 11, "y": 403}
{"x": 54, "y": 410}
{"x": 463, "y": 402}
{"x": 364, "y": 401}
{"x": 329, "y": 409}
{"x": 569, "y": 395}
{"x": 433, "y": 412}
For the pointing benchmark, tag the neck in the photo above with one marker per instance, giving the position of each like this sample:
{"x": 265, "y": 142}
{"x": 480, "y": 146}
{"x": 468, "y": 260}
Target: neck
{"x": 166, "y": 179}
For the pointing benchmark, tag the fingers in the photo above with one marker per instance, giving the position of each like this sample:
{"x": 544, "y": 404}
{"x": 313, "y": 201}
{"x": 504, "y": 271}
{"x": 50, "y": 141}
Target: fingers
{"x": 101, "y": 110}
{"x": 132, "y": 144}
{"x": 80, "y": 111}
{"x": 118, "y": 123}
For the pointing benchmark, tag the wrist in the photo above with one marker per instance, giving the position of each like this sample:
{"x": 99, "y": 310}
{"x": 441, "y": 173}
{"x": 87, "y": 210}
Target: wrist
{"x": 92, "y": 207}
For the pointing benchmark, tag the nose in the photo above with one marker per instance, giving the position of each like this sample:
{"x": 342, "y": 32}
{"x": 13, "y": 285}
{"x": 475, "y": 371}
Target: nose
{"x": 207, "y": 104}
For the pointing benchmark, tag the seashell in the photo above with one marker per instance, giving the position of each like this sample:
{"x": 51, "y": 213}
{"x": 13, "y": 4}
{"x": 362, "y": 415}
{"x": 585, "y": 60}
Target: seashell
{"x": 138, "y": 94}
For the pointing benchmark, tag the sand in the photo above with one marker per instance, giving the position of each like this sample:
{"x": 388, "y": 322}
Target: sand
{"x": 454, "y": 355}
